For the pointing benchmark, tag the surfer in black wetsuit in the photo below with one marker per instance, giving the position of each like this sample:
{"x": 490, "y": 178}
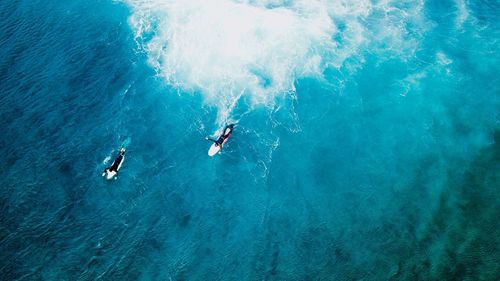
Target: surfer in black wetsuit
{"x": 111, "y": 171}
{"x": 226, "y": 133}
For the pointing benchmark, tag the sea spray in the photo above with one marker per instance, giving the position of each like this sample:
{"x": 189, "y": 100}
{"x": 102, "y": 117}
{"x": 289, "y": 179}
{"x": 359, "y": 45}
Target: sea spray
{"x": 228, "y": 49}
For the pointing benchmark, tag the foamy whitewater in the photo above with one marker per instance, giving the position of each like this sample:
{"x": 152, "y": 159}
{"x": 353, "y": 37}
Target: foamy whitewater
{"x": 227, "y": 49}
{"x": 366, "y": 144}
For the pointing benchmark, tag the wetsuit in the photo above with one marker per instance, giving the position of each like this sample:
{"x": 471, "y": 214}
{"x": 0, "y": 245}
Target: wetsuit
{"x": 116, "y": 163}
{"x": 224, "y": 136}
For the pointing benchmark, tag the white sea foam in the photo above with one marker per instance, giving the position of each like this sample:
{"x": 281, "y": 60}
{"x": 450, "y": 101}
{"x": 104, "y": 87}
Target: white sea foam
{"x": 443, "y": 59}
{"x": 106, "y": 160}
{"x": 462, "y": 13}
{"x": 226, "y": 48}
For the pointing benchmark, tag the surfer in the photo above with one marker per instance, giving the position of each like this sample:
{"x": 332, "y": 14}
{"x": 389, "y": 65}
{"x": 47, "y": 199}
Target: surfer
{"x": 226, "y": 133}
{"x": 112, "y": 171}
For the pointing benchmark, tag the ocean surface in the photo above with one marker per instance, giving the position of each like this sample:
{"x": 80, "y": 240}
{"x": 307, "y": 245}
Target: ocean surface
{"x": 366, "y": 145}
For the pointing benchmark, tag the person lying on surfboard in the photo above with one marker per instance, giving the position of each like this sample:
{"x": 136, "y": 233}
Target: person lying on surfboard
{"x": 112, "y": 171}
{"x": 226, "y": 133}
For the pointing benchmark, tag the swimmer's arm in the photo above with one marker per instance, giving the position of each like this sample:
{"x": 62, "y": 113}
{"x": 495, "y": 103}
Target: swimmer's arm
{"x": 210, "y": 139}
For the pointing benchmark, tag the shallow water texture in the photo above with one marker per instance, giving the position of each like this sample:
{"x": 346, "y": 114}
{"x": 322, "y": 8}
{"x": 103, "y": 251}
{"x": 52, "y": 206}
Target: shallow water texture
{"x": 366, "y": 144}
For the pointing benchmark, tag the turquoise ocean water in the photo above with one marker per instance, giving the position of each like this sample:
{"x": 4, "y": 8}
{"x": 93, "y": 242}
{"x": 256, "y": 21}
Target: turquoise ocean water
{"x": 366, "y": 144}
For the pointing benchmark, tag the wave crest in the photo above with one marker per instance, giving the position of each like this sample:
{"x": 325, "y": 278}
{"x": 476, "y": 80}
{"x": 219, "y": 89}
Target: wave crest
{"x": 226, "y": 49}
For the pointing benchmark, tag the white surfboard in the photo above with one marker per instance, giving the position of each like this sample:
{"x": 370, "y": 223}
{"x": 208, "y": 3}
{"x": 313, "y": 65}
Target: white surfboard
{"x": 213, "y": 149}
{"x": 110, "y": 175}
{"x": 121, "y": 163}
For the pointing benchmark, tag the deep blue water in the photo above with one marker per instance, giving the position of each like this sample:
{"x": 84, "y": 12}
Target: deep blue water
{"x": 382, "y": 167}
